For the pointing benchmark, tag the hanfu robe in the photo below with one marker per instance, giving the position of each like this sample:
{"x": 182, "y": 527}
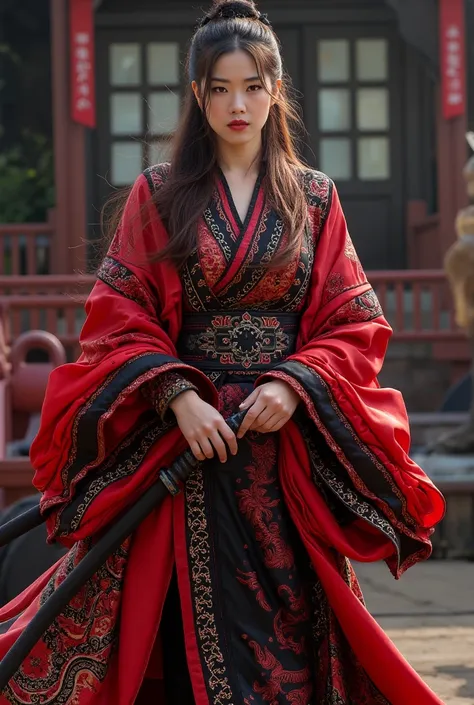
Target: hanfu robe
{"x": 256, "y": 550}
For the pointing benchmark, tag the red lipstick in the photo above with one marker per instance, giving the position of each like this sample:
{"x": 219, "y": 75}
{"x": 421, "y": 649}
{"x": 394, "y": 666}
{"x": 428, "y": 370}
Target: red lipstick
{"x": 238, "y": 125}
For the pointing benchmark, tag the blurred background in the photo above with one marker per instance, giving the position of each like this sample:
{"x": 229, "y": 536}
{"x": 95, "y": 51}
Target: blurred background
{"x": 90, "y": 94}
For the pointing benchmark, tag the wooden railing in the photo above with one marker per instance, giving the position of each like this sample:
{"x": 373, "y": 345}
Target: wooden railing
{"x": 37, "y": 286}
{"x": 61, "y": 315}
{"x": 26, "y": 248}
{"x": 417, "y": 303}
{"x": 54, "y": 303}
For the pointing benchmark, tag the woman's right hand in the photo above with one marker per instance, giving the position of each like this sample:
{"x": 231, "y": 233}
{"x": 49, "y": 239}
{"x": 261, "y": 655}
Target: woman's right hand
{"x": 203, "y": 427}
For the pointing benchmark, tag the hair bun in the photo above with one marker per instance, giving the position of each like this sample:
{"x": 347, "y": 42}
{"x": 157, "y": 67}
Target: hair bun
{"x": 230, "y": 9}
{"x": 234, "y": 9}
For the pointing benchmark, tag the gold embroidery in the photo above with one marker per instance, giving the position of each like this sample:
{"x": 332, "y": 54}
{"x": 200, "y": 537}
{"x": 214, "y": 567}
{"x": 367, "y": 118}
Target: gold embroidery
{"x": 347, "y": 495}
{"x": 243, "y": 339}
{"x": 214, "y": 229}
{"x": 118, "y": 472}
{"x": 311, "y": 409}
{"x": 68, "y": 486}
{"x": 71, "y": 660}
{"x": 122, "y": 280}
{"x": 161, "y": 391}
{"x": 188, "y": 279}
{"x": 349, "y": 249}
{"x": 201, "y": 588}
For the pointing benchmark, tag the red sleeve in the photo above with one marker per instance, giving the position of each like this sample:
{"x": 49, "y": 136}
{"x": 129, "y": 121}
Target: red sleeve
{"x": 96, "y": 448}
{"x": 342, "y": 343}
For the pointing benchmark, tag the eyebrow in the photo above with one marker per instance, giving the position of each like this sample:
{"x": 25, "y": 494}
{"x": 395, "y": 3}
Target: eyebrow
{"x": 225, "y": 80}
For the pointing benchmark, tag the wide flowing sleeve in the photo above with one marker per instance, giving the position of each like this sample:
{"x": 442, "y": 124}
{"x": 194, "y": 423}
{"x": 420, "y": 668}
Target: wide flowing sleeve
{"x": 101, "y": 443}
{"x": 360, "y": 439}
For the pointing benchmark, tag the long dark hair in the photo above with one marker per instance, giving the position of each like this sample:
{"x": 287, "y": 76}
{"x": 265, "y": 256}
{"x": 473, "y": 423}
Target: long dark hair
{"x": 231, "y": 25}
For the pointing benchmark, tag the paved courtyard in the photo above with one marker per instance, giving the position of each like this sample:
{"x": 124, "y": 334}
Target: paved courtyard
{"x": 429, "y": 614}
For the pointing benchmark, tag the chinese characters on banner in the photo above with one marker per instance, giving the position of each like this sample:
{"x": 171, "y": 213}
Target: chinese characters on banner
{"x": 81, "y": 22}
{"x": 452, "y": 57}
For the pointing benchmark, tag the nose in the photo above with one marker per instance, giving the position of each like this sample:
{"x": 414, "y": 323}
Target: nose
{"x": 238, "y": 104}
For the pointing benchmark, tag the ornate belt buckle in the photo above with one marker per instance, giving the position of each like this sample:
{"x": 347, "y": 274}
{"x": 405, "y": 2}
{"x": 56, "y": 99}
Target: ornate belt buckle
{"x": 247, "y": 340}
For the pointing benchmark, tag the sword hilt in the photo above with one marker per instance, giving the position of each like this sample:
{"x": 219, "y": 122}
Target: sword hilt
{"x": 177, "y": 474}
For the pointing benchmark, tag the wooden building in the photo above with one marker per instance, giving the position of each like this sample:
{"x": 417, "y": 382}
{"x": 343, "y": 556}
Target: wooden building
{"x": 368, "y": 75}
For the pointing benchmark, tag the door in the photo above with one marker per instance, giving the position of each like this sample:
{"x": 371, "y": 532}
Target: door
{"x": 352, "y": 112}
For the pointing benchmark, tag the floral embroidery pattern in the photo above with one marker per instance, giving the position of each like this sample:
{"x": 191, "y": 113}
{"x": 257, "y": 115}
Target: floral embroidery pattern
{"x": 125, "y": 282}
{"x": 334, "y": 287}
{"x": 73, "y": 655}
{"x": 350, "y": 250}
{"x": 318, "y": 188}
{"x": 161, "y": 391}
{"x": 256, "y": 505}
{"x": 360, "y": 309}
{"x": 285, "y": 660}
{"x": 212, "y": 260}
{"x": 255, "y": 285}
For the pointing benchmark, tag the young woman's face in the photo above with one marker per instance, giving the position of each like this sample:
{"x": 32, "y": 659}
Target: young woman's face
{"x": 239, "y": 104}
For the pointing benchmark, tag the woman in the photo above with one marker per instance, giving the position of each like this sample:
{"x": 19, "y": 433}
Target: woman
{"x": 231, "y": 284}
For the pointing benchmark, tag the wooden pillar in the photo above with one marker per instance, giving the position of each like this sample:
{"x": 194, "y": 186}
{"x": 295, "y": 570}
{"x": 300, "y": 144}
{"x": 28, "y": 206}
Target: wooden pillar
{"x": 69, "y": 250}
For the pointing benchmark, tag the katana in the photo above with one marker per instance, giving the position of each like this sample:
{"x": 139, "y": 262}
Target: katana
{"x": 169, "y": 482}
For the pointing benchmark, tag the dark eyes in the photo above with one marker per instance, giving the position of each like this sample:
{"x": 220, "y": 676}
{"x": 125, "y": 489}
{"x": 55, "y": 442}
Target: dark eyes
{"x": 222, "y": 89}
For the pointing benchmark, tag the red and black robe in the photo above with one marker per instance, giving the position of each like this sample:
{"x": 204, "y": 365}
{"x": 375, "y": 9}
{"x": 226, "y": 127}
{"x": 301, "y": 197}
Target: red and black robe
{"x": 271, "y": 608}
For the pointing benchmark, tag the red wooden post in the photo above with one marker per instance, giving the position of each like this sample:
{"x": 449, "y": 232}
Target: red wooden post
{"x": 69, "y": 252}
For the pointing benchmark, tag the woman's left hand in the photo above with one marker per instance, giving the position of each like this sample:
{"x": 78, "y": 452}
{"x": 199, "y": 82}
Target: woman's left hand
{"x": 270, "y": 407}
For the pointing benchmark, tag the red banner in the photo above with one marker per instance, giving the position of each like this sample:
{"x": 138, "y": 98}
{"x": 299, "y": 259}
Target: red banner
{"x": 452, "y": 57}
{"x": 81, "y": 22}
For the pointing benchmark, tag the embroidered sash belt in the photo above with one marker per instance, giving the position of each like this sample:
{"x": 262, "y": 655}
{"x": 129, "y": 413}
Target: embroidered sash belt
{"x": 237, "y": 340}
